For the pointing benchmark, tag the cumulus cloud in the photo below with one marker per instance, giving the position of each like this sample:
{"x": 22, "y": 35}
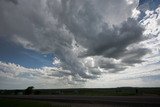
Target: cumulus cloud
{"x": 75, "y": 30}
{"x": 14, "y": 76}
{"x": 13, "y": 71}
{"x": 152, "y": 33}
{"x": 113, "y": 42}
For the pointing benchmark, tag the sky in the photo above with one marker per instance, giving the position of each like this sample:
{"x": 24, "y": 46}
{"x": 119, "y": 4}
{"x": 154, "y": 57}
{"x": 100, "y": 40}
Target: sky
{"x": 79, "y": 43}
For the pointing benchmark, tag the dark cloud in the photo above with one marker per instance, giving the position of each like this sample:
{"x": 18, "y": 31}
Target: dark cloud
{"x": 112, "y": 42}
{"x": 13, "y": 1}
{"x": 109, "y": 64}
{"x": 134, "y": 56}
{"x": 74, "y": 30}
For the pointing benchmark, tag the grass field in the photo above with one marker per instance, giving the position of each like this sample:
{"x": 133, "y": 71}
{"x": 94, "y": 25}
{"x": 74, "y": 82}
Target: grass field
{"x": 27, "y": 103}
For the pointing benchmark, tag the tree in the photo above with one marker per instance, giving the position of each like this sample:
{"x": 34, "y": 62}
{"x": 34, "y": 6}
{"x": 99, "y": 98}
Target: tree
{"x": 29, "y": 90}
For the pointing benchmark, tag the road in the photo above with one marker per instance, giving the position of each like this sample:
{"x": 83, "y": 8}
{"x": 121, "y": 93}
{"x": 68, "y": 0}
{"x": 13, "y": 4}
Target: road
{"x": 149, "y": 101}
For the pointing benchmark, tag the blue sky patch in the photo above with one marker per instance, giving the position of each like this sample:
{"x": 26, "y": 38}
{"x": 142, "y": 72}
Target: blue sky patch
{"x": 10, "y": 52}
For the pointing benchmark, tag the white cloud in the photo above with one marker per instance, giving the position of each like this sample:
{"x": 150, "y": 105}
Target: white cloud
{"x": 16, "y": 76}
{"x": 150, "y": 22}
{"x": 131, "y": 77}
{"x": 152, "y": 33}
{"x": 135, "y": 13}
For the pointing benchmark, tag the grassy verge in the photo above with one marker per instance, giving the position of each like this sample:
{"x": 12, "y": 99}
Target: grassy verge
{"x": 27, "y": 103}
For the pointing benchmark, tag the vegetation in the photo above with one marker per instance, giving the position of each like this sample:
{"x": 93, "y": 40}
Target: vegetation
{"x": 27, "y": 103}
{"x": 122, "y": 91}
{"x": 29, "y": 90}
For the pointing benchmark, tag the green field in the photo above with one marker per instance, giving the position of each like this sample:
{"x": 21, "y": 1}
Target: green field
{"x": 27, "y": 103}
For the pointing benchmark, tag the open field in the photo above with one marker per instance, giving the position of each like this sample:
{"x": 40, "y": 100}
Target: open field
{"x": 122, "y": 91}
{"x": 105, "y": 97}
{"x": 141, "y": 101}
{"x": 27, "y": 103}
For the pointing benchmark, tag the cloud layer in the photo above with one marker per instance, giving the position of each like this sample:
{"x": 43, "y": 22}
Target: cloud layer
{"x": 87, "y": 38}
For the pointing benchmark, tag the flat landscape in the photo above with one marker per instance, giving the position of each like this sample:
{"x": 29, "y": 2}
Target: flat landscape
{"x": 149, "y": 101}
{"x": 119, "y": 97}
{"x": 79, "y": 53}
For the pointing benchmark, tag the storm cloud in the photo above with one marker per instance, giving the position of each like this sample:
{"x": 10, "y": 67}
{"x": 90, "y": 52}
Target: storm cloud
{"x": 87, "y": 37}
